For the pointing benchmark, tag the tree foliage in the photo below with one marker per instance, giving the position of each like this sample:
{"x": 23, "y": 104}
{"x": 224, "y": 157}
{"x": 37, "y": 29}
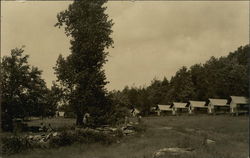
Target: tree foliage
{"x": 216, "y": 78}
{"x": 81, "y": 73}
{"x": 24, "y": 92}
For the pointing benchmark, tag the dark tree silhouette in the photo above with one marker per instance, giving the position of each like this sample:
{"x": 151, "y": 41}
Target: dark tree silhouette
{"x": 81, "y": 73}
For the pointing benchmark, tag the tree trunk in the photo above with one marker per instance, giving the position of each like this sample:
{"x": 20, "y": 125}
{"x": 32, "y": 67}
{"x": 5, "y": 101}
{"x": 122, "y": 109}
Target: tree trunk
{"x": 79, "y": 119}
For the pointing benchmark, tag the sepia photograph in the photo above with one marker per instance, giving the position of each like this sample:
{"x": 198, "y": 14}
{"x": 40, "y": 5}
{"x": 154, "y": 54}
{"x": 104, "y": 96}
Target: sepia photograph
{"x": 124, "y": 79}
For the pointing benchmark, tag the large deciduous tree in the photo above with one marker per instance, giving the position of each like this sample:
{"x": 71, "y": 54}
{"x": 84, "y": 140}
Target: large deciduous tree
{"x": 81, "y": 73}
{"x": 23, "y": 90}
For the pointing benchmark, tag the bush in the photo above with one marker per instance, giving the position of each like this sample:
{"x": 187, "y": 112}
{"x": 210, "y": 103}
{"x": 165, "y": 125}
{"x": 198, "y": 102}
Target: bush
{"x": 69, "y": 114}
{"x": 81, "y": 136}
{"x": 34, "y": 129}
{"x": 91, "y": 136}
{"x": 119, "y": 133}
{"x": 64, "y": 139}
{"x": 117, "y": 116}
{"x": 15, "y": 144}
{"x": 19, "y": 126}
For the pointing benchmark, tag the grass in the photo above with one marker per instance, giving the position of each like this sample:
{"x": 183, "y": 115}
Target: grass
{"x": 230, "y": 134}
{"x": 55, "y": 122}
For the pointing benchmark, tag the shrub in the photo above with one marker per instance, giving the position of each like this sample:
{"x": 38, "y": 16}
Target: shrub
{"x": 117, "y": 116}
{"x": 33, "y": 129}
{"x": 91, "y": 136}
{"x": 119, "y": 133}
{"x": 69, "y": 115}
{"x": 15, "y": 144}
{"x": 65, "y": 138}
{"x": 81, "y": 136}
{"x": 19, "y": 126}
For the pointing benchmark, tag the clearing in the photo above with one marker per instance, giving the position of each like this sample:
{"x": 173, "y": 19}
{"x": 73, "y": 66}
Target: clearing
{"x": 208, "y": 137}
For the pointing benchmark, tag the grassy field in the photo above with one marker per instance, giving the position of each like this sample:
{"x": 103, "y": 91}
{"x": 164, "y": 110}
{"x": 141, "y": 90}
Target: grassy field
{"x": 229, "y": 133}
{"x": 55, "y": 122}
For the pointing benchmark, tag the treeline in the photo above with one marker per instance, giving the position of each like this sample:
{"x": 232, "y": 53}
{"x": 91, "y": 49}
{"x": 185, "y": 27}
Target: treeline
{"x": 24, "y": 93}
{"x": 216, "y": 78}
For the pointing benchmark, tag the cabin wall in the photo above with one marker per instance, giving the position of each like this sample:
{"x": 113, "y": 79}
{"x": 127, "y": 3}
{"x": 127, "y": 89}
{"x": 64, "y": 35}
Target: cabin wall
{"x": 165, "y": 112}
{"x": 61, "y": 114}
{"x": 238, "y": 108}
{"x": 181, "y": 111}
{"x": 199, "y": 110}
{"x": 242, "y": 109}
{"x": 221, "y": 109}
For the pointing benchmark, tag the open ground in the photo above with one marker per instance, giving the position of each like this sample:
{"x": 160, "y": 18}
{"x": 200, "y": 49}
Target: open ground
{"x": 229, "y": 133}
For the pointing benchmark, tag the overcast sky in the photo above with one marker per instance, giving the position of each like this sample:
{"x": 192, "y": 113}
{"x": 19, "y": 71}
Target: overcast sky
{"x": 151, "y": 39}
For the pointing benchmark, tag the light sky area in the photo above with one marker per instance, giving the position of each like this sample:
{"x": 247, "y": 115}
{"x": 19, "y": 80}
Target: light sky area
{"x": 151, "y": 39}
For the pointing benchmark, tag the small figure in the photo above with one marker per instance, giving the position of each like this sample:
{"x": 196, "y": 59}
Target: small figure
{"x": 86, "y": 119}
{"x": 50, "y": 129}
{"x": 42, "y": 127}
{"x": 139, "y": 119}
{"x": 158, "y": 112}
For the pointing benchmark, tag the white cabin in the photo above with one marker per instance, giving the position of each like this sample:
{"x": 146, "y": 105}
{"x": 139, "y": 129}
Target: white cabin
{"x": 196, "y": 107}
{"x": 60, "y": 113}
{"x": 178, "y": 107}
{"x": 217, "y": 106}
{"x": 134, "y": 112}
{"x": 238, "y": 104}
{"x": 164, "y": 109}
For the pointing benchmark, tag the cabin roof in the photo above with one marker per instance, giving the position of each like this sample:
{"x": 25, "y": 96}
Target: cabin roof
{"x": 164, "y": 107}
{"x": 218, "y": 102}
{"x": 200, "y": 104}
{"x": 239, "y": 99}
{"x": 135, "y": 110}
{"x": 178, "y": 105}
{"x": 153, "y": 108}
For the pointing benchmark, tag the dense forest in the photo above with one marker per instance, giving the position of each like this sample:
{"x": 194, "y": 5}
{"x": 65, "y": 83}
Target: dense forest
{"x": 216, "y": 78}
